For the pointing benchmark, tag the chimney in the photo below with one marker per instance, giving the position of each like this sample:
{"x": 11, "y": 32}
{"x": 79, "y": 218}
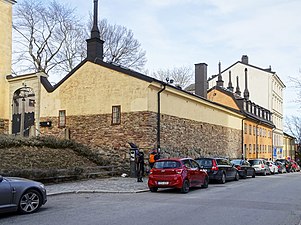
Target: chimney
{"x": 230, "y": 87}
{"x": 237, "y": 87}
{"x": 219, "y": 81}
{"x": 246, "y": 91}
{"x": 245, "y": 59}
{"x": 95, "y": 44}
{"x": 201, "y": 79}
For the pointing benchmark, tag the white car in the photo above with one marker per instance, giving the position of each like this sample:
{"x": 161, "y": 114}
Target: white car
{"x": 273, "y": 167}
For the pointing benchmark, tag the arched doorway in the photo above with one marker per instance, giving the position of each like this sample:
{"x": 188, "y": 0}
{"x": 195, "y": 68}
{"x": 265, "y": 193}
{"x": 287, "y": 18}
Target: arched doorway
{"x": 23, "y": 108}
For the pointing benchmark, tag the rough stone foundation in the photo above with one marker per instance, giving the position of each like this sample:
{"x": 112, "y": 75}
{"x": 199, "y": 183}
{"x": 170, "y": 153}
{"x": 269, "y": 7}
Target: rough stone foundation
{"x": 179, "y": 137}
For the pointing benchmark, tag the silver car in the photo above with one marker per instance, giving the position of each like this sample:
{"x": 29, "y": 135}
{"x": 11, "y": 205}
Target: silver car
{"x": 260, "y": 166}
{"x": 23, "y": 195}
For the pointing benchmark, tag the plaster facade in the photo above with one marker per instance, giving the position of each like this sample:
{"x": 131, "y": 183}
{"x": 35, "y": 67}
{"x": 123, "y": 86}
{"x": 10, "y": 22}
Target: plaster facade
{"x": 265, "y": 88}
{"x": 5, "y": 60}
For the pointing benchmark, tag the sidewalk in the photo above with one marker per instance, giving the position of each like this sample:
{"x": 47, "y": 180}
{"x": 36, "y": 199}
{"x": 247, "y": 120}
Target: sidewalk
{"x": 104, "y": 185}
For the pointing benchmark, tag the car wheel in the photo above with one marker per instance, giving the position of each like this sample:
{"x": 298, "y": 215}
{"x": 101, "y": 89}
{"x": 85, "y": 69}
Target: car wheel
{"x": 30, "y": 201}
{"x": 153, "y": 189}
{"x": 223, "y": 179}
{"x": 254, "y": 174}
{"x": 206, "y": 182}
{"x": 236, "y": 178}
{"x": 185, "y": 187}
{"x": 245, "y": 174}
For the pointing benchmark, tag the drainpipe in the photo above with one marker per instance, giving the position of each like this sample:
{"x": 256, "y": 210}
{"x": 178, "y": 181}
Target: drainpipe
{"x": 158, "y": 118}
{"x": 272, "y": 136}
{"x": 242, "y": 141}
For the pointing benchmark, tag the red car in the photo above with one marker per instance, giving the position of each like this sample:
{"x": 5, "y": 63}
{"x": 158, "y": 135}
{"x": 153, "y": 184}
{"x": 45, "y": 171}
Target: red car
{"x": 180, "y": 173}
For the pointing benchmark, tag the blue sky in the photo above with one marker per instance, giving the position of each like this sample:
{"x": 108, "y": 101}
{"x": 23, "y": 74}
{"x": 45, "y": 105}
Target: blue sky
{"x": 185, "y": 32}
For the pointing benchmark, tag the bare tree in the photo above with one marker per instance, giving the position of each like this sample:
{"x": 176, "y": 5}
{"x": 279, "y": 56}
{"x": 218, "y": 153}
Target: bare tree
{"x": 121, "y": 47}
{"x": 293, "y": 125}
{"x": 181, "y": 76}
{"x": 42, "y": 31}
{"x": 50, "y": 38}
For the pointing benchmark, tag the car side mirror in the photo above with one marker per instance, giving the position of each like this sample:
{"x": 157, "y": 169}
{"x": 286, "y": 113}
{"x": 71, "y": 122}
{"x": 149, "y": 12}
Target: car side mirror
{"x": 201, "y": 167}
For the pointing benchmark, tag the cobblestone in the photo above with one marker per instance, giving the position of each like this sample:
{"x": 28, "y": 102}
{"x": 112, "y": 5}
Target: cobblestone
{"x": 104, "y": 185}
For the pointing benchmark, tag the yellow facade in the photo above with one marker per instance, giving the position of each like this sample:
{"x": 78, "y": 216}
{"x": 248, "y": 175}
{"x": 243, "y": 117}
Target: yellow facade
{"x": 257, "y": 137}
{"x": 257, "y": 140}
{"x": 5, "y": 54}
{"x": 94, "y": 89}
{"x": 289, "y": 147}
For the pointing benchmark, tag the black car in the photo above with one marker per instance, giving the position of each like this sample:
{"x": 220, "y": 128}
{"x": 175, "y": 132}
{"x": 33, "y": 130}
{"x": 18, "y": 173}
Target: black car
{"x": 244, "y": 168}
{"x": 219, "y": 169}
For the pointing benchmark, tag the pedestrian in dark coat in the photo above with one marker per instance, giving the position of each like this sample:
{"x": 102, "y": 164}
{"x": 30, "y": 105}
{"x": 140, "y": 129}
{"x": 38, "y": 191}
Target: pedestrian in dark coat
{"x": 140, "y": 166}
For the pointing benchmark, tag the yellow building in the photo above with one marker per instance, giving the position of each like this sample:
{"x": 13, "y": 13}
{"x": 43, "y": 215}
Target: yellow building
{"x": 257, "y": 125}
{"x": 5, "y": 60}
{"x": 106, "y": 106}
{"x": 289, "y": 148}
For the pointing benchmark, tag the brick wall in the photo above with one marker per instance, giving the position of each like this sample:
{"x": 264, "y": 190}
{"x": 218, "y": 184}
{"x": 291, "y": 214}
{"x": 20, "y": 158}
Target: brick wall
{"x": 179, "y": 137}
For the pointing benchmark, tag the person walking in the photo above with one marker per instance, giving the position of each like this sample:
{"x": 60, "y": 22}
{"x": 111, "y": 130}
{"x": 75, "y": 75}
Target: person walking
{"x": 140, "y": 165}
{"x": 152, "y": 158}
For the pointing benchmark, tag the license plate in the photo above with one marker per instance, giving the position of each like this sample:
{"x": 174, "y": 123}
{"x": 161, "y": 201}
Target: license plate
{"x": 162, "y": 183}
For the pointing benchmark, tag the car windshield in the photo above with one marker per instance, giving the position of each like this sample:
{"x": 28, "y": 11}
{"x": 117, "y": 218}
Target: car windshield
{"x": 167, "y": 164}
{"x": 254, "y": 162}
{"x": 205, "y": 162}
{"x": 236, "y": 161}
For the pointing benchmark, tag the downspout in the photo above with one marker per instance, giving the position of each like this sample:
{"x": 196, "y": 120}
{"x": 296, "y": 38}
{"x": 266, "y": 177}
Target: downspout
{"x": 158, "y": 118}
{"x": 272, "y": 136}
{"x": 242, "y": 140}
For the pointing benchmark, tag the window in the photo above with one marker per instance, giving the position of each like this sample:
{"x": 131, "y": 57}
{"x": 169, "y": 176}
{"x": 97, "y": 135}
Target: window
{"x": 116, "y": 114}
{"x": 62, "y": 118}
{"x": 254, "y": 130}
{"x": 246, "y": 128}
{"x": 250, "y": 148}
{"x": 250, "y": 129}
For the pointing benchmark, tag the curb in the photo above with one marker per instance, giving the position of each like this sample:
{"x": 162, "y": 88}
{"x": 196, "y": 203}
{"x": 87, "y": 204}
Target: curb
{"x": 96, "y": 191}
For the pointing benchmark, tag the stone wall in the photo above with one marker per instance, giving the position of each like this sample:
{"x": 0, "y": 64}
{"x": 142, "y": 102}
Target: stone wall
{"x": 4, "y": 126}
{"x": 182, "y": 137}
{"x": 179, "y": 137}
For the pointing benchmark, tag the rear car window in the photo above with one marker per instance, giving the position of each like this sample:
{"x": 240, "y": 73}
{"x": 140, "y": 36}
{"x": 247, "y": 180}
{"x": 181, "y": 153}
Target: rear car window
{"x": 236, "y": 161}
{"x": 170, "y": 164}
{"x": 254, "y": 162}
{"x": 204, "y": 162}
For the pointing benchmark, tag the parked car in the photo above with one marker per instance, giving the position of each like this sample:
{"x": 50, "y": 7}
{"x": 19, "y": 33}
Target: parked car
{"x": 219, "y": 169}
{"x": 260, "y": 166}
{"x": 244, "y": 168}
{"x": 273, "y": 167}
{"x": 287, "y": 164}
{"x": 281, "y": 167}
{"x": 295, "y": 166}
{"x": 19, "y": 194}
{"x": 181, "y": 173}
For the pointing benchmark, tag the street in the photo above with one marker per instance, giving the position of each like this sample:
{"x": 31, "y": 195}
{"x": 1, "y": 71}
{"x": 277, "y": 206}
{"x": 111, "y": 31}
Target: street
{"x": 270, "y": 200}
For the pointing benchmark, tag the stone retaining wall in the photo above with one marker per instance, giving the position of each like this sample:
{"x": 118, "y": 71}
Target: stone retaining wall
{"x": 179, "y": 137}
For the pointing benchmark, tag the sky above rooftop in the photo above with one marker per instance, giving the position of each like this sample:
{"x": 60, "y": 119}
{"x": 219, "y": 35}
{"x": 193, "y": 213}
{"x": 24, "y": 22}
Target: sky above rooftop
{"x": 185, "y": 32}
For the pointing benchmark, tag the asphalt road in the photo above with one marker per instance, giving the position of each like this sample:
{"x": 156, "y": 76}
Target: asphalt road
{"x": 270, "y": 200}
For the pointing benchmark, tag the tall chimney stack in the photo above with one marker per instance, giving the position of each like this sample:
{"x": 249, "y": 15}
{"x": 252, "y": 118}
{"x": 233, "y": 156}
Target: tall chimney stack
{"x": 246, "y": 91}
{"x": 95, "y": 44}
{"x": 245, "y": 59}
{"x": 201, "y": 84}
{"x": 230, "y": 87}
{"x": 220, "y": 81}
